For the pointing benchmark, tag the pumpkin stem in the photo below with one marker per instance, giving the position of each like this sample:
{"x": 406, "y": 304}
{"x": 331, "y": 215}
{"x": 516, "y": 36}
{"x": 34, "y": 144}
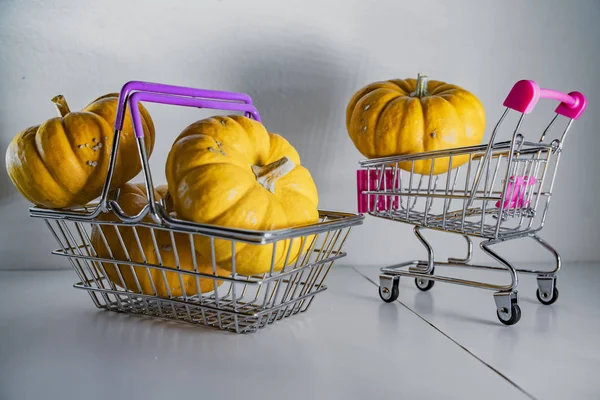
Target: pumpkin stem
{"x": 267, "y": 175}
{"x": 421, "y": 90}
{"x": 61, "y": 105}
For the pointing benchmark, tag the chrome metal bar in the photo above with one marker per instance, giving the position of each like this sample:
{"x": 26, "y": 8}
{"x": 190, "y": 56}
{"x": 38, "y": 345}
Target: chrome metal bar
{"x": 488, "y": 152}
{"x": 563, "y": 137}
{"x": 327, "y": 269}
{"x": 552, "y": 250}
{"x": 410, "y": 181}
{"x": 466, "y": 191}
{"x": 88, "y": 249}
{"x": 507, "y": 175}
{"x": 131, "y": 266}
{"x": 428, "y": 247}
{"x": 239, "y": 313}
{"x": 514, "y": 279}
{"x": 448, "y": 178}
{"x": 548, "y": 128}
{"x": 467, "y": 259}
{"x": 100, "y": 266}
{"x": 398, "y": 270}
{"x": 63, "y": 246}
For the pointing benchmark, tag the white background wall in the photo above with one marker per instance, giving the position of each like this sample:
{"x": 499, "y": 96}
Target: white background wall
{"x": 301, "y": 61}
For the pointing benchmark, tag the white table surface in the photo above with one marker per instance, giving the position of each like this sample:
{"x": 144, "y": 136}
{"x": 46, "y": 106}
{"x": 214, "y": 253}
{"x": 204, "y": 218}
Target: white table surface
{"x": 447, "y": 343}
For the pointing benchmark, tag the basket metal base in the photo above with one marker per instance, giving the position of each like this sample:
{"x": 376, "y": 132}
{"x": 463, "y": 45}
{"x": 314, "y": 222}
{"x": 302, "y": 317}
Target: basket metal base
{"x": 246, "y": 318}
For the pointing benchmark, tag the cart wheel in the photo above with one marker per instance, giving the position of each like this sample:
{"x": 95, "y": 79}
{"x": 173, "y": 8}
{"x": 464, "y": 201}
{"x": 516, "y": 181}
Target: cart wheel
{"x": 388, "y": 295}
{"x": 424, "y": 284}
{"x": 548, "y": 299}
{"x": 515, "y": 316}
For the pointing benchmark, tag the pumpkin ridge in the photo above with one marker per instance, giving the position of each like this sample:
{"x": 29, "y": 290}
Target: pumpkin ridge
{"x": 296, "y": 193}
{"x": 240, "y": 126}
{"x": 455, "y": 111}
{"x": 406, "y": 117}
{"x": 433, "y": 86}
{"x": 200, "y": 167}
{"x": 291, "y": 152}
{"x": 235, "y": 204}
{"x": 424, "y": 118}
{"x": 353, "y": 104}
{"x": 43, "y": 163}
{"x": 360, "y": 113}
{"x": 213, "y": 164}
{"x": 272, "y": 206}
{"x": 383, "y": 110}
{"x": 73, "y": 151}
{"x": 471, "y": 96}
{"x": 15, "y": 171}
{"x": 291, "y": 188}
{"x": 405, "y": 92}
{"x": 96, "y": 171}
{"x": 180, "y": 145}
{"x": 444, "y": 88}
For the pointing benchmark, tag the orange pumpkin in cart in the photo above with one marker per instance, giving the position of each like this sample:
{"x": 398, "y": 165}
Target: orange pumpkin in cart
{"x": 410, "y": 116}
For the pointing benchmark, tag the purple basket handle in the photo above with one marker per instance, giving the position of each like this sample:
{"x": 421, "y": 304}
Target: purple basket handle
{"x": 136, "y": 91}
{"x": 185, "y": 92}
{"x": 137, "y": 97}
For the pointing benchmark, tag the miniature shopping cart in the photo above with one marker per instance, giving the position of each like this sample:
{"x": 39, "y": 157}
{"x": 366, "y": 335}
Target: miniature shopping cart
{"x": 501, "y": 193}
{"x": 240, "y": 303}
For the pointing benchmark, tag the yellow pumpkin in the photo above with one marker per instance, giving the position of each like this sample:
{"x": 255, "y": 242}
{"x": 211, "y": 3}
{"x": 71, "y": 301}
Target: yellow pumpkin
{"x": 132, "y": 198}
{"x": 399, "y": 117}
{"x": 64, "y": 161}
{"x": 229, "y": 171}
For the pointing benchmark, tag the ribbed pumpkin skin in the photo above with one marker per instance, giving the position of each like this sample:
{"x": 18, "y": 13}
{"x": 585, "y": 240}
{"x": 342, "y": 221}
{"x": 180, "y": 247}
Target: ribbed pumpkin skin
{"x": 64, "y": 161}
{"x": 387, "y": 118}
{"x": 132, "y": 199}
{"x": 211, "y": 181}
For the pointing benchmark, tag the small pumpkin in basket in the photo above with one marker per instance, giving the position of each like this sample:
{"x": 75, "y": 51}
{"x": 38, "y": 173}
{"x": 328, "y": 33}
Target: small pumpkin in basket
{"x": 64, "y": 161}
{"x": 409, "y": 116}
{"x": 229, "y": 171}
{"x": 132, "y": 199}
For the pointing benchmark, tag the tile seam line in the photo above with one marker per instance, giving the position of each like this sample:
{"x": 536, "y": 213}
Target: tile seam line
{"x": 506, "y": 378}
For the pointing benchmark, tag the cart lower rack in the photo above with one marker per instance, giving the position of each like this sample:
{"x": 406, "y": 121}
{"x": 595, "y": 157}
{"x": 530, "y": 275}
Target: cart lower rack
{"x": 501, "y": 192}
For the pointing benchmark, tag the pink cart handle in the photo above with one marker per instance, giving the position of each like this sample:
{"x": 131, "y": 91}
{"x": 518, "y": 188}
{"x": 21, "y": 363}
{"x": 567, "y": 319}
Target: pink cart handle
{"x": 186, "y": 92}
{"x": 525, "y": 94}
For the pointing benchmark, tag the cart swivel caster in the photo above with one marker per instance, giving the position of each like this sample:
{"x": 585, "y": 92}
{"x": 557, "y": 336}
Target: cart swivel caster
{"x": 547, "y": 292}
{"x": 546, "y": 298}
{"x": 425, "y": 284}
{"x": 388, "y": 288}
{"x": 507, "y": 309}
{"x": 515, "y": 315}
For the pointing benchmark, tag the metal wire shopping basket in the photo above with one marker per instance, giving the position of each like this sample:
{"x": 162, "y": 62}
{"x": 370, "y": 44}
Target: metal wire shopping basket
{"x": 501, "y": 192}
{"x": 233, "y": 302}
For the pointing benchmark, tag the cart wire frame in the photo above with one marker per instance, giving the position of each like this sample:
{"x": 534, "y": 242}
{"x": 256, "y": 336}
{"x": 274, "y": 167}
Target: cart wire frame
{"x": 501, "y": 192}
